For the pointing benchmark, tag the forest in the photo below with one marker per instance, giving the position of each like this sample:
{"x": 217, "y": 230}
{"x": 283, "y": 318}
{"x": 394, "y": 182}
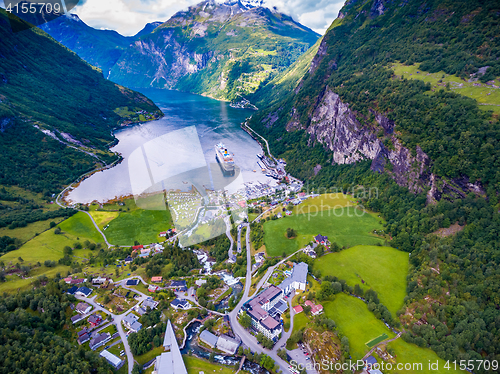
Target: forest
{"x": 33, "y": 335}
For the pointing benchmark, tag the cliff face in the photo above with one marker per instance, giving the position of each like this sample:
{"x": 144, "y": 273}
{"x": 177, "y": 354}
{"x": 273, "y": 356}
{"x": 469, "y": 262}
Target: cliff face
{"x": 338, "y": 129}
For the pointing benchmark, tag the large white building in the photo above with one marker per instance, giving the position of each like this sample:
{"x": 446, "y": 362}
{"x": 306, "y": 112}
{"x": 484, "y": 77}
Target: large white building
{"x": 258, "y": 309}
{"x": 297, "y": 280}
{"x": 170, "y": 362}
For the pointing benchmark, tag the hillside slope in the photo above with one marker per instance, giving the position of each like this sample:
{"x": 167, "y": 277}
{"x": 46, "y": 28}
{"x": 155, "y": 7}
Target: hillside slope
{"x": 389, "y": 111}
{"x": 101, "y": 48}
{"x": 353, "y": 105}
{"x": 56, "y": 118}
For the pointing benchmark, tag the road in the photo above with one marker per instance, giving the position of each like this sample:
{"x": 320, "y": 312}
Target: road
{"x": 117, "y": 319}
{"x": 227, "y": 220}
{"x": 248, "y": 339}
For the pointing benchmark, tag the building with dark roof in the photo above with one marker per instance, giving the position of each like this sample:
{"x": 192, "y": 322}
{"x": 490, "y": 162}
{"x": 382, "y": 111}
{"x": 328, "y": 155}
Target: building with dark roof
{"x": 182, "y": 304}
{"x": 76, "y": 319}
{"x": 99, "y": 340}
{"x": 320, "y": 239}
{"x": 83, "y": 291}
{"x": 177, "y": 284}
{"x": 72, "y": 290}
{"x": 132, "y": 282}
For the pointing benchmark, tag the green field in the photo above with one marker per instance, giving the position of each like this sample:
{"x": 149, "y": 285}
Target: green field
{"x": 487, "y": 97}
{"x": 81, "y": 226}
{"x": 196, "y": 365}
{"x": 411, "y": 353}
{"x": 383, "y": 269}
{"x": 141, "y": 225}
{"x": 324, "y": 202}
{"x": 377, "y": 340}
{"x": 15, "y": 283}
{"x": 28, "y": 232}
{"x": 346, "y": 226}
{"x": 49, "y": 246}
{"x": 356, "y": 322}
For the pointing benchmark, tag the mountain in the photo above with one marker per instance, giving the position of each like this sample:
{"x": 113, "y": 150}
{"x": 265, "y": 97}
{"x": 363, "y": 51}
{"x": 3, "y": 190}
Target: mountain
{"x": 223, "y": 50}
{"x": 101, "y": 48}
{"x": 57, "y": 112}
{"x": 400, "y": 107}
{"x": 148, "y": 29}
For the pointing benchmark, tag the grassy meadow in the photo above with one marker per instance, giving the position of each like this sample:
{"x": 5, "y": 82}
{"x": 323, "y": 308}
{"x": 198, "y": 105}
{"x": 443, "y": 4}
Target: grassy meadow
{"x": 347, "y": 226}
{"x": 383, "y": 269}
{"x": 324, "y": 202}
{"x": 487, "y": 96}
{"x": 356, "y": 322}
{"x": 407, "y": 353}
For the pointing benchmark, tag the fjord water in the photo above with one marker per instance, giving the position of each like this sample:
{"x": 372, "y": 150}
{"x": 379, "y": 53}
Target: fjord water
{"x": 215, "y": 121}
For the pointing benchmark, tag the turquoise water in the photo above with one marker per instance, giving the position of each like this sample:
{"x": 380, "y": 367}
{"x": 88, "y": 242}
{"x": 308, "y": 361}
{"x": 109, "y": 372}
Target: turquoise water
{"x": 213, "y": 122}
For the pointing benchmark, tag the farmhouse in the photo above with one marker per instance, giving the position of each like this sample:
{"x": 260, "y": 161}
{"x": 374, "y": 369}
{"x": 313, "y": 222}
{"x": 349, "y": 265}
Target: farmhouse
{"x": 83, "y": 308}
{"x": 315, "y": 309}
{"x": 323, "y": 240}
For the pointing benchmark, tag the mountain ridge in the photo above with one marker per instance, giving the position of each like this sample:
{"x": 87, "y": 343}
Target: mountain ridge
{"x": 224, "y": 50}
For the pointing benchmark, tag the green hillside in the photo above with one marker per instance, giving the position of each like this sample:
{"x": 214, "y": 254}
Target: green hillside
{"x": 394, "y": 100}
{"x": 56, "y": 117}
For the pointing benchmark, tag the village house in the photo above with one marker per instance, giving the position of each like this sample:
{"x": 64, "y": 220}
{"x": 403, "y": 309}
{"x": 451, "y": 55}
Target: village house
{"x": 83, "y": 292}
{"x": 208, "y": 338}
{"x": 99, "y": 340}
{"x": 180, "y": 304}
{"x": 94, "y": 320}
{"x": 131, "y": 322}
{"x": 83, "y": 308}
{"x": 156, "y": 279}
{"x": 315, "y": 309}
{"x": 323, "y": 240}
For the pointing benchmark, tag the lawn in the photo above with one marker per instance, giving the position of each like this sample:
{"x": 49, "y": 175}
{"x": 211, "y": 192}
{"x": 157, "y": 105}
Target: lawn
{"x": 345, "y": 226}
{"x": 383, "y": 269}
{"x": 141, "y": 225}
{"x": 300, "y": 321}
{"x": 324, "y": 202}
{"x": 410, "y": 353}
{"x": 148, "y": 356}
{"x": 488, "y": 97}
{"x": 356, "y": 322}
{"x": 80, "y": 225}
{"x": 195, "y": 365}
{"x": 377, "y": 340}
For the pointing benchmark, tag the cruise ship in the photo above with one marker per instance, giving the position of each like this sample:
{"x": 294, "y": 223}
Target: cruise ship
{"x": 224, "y": 158}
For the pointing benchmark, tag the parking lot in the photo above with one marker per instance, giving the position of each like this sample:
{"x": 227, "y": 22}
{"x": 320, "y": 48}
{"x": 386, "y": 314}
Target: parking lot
{"x": 301, "y": 358}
